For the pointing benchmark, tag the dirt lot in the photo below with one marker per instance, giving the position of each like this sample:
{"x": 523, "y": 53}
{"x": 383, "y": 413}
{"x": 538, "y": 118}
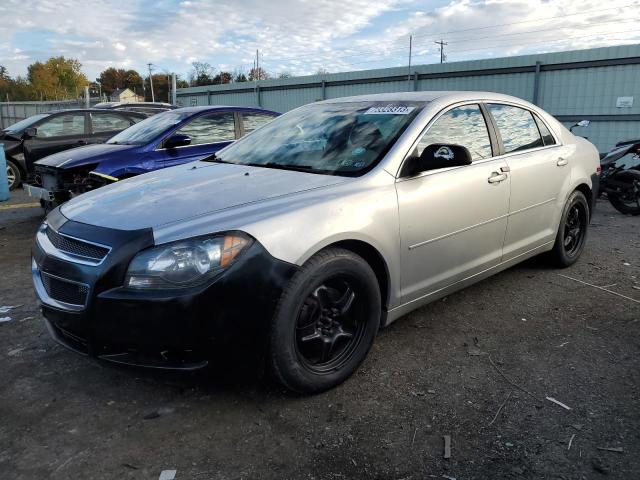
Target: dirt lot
{"x": 458, "y": 367}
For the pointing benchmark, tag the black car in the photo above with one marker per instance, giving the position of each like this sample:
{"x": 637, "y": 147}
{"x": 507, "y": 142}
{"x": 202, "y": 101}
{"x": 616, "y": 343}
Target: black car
{"x": 146, "y": 108}
{"x": 45, "y": 133}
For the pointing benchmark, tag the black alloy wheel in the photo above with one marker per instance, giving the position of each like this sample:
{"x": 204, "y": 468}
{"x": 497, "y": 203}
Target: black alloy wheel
{"x": 572, "y": 232}
{"x": 329, "y": 325}
{"x": 325, "y": 322}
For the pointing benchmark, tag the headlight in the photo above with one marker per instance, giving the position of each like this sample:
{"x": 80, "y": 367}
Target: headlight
{"x": 185, "y": 263}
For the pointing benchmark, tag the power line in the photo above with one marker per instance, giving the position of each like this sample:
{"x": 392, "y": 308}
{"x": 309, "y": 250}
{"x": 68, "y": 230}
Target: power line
{"x": 436, "y": 34}
{"x": 636, "y": 4}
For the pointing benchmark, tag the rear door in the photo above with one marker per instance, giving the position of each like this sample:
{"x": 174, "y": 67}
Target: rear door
{"x": 253, "y": 120}
{"x": 453, "y": 220}
{"x": 56, "y": 133}
{"x": 208, "y": 133}
{"x": 538, "y": 172}
{"x": 105, "y": 125}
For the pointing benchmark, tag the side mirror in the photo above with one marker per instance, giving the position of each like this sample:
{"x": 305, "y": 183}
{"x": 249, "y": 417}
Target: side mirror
{"x": 581, "y": 123}
{"x": 438, "y": 155}
{"x": 30, "y": 132}
{"x": 177, "y": 140}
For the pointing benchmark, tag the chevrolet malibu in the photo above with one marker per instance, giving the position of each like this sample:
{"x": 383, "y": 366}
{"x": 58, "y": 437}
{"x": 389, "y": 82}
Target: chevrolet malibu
{"x": 313, "y": 232}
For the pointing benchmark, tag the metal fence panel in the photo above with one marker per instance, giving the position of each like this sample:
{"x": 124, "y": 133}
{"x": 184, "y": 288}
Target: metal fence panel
{"x": 570, "y": 85}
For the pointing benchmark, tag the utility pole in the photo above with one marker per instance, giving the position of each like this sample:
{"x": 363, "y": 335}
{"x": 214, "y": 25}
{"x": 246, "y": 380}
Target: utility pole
{"x": 443, "y": 57}
{"x": 153, "y": 97}
{"x": 174, "y": 99}
{"x": 409, "y": 70}
{"x": 258, "y": 64}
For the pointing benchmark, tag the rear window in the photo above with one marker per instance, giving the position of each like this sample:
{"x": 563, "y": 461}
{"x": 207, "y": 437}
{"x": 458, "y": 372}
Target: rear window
{"x": 517, "y": 127}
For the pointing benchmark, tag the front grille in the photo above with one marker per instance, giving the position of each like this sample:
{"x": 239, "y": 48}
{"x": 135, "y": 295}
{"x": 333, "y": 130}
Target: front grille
{"x": 75, "y": 247}
{"x": 64, "y": 290}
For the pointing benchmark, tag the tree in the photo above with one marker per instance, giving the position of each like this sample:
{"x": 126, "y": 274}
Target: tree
{"x": 322, "y": 71}
{"x": 239, "y": 76}
{"x": 113, "y": 79}
{"x": 57, "y": 78}
{"x": 201, "y": 74}
{"x": 222, "y": 77}
{"x": 285, "y": 75}
{"x": 258, "y": 74}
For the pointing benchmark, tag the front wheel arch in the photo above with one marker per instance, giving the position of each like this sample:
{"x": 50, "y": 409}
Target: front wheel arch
{"x": 376, "y": 261}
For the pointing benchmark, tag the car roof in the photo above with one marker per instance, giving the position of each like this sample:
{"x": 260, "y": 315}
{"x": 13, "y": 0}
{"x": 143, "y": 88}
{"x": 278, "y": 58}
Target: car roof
{"x": 97, "y": 110}
{"x": 426, "y": 96}
{"x": 220, "y": 107}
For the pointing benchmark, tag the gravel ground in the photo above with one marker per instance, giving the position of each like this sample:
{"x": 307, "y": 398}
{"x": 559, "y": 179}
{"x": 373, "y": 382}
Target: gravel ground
{"x": 475, "y": 366}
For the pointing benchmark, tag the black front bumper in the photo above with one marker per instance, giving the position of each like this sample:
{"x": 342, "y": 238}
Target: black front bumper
{"x": 181, "y": 329}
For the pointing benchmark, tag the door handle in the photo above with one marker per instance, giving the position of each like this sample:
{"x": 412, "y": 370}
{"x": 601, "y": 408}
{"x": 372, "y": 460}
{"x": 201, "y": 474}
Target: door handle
{"x": 497, "y": 177}
{"x": 82, "y": 142}
{"x": 562, "y": 162}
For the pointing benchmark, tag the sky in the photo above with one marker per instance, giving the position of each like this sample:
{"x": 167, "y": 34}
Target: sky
{"x": 300, "y": 37}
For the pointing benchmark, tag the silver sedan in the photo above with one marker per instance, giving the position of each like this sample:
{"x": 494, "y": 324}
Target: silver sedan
{"x": 314, "y": 231}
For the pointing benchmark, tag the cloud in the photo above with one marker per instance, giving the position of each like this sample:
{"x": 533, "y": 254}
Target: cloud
{"x": 299, "y": 36}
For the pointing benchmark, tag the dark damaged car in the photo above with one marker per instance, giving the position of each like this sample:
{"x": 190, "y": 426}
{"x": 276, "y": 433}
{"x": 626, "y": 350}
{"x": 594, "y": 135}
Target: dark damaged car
{"x": 164, "y": 140}
{"x": 43, "y": 134}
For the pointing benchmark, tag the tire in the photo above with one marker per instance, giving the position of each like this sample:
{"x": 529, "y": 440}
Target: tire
{"x": 572, "y": 231}
{"x": 325, "y": 322}
{"x": 624, "y": 207}
{"x": 14, "y": 174}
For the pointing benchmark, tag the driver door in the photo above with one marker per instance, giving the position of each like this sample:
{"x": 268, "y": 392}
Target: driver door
{"x": 453, "y": 220}
{"x": 56, "y": 133}
{"x": 208, "y": 134}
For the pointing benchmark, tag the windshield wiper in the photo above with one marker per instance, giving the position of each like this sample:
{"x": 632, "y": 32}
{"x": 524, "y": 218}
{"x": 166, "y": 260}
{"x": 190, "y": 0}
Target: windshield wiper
{"x": 214, "y": 158}
{"x": 282, "y": 166}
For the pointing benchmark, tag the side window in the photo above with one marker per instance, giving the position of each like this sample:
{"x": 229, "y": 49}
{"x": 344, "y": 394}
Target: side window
{"x": 517, "y": 127}
{"x": 218, "y": 127}
{"x": 62, "y": 126}
{"x": 547, "y": 138}
{"x": 109, "y": 122}
{"x": 251, "y": 121}
{"x": 464, "y": 126}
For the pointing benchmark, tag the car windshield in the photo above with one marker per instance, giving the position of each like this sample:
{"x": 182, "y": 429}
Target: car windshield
{"x": 22, "y": 125}
{"x": 346, "y": 138}
{"x": 148, "y": 129}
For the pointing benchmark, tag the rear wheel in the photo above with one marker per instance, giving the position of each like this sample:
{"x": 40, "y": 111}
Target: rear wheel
{"x": 325, "y": 322}
{"x": 572, "y": 231}
{"x": 627, "y": 202}
{"x": 14, "y": 174}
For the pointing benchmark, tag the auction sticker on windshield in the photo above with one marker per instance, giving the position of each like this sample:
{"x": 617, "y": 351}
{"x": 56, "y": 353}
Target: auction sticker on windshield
{"x": 390, "y": 109}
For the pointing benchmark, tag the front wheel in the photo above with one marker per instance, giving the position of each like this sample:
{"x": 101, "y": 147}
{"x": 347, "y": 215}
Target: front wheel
{"x": 325, "y": 322}
{"x": 14, "y": 174}
{"x": 572, "y": 231}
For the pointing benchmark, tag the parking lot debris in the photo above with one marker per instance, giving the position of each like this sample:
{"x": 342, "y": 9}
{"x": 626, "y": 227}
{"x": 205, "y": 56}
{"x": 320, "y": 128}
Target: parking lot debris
{"x": 7, "y": 308}
{"x": 563, "y": 344}
{"x": 27, "y": 318}
{"x": 168, "y": 475}
{"x": 447, "y": 446}
{"x": 571, "y": 441}
{"x": 5, "y": 319}
{"x": 612, "y": 449}
{"x": 557, "y": 402}
{"x": 599, "y": 288}
{"x": 151, "y": 415}
{"x": 577, "y": 426}
{"x": 500, "y": 409}
{"x": 15, "y": 351}
{"x": 511, "y": 381}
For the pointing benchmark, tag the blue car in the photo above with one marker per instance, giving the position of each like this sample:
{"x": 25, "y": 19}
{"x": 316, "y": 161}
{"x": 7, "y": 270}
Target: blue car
{"x": 164, "y": 140}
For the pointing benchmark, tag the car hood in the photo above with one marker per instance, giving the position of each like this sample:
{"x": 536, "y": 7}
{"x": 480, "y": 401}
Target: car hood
{"x": 86, "y": 155}
{"x": 179, "y": 193}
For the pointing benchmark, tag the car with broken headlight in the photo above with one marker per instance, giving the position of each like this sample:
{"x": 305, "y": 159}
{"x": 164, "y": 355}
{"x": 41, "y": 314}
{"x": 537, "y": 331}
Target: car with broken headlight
{"x": 167, "y": 139}
{"x": 313, "y": 232}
